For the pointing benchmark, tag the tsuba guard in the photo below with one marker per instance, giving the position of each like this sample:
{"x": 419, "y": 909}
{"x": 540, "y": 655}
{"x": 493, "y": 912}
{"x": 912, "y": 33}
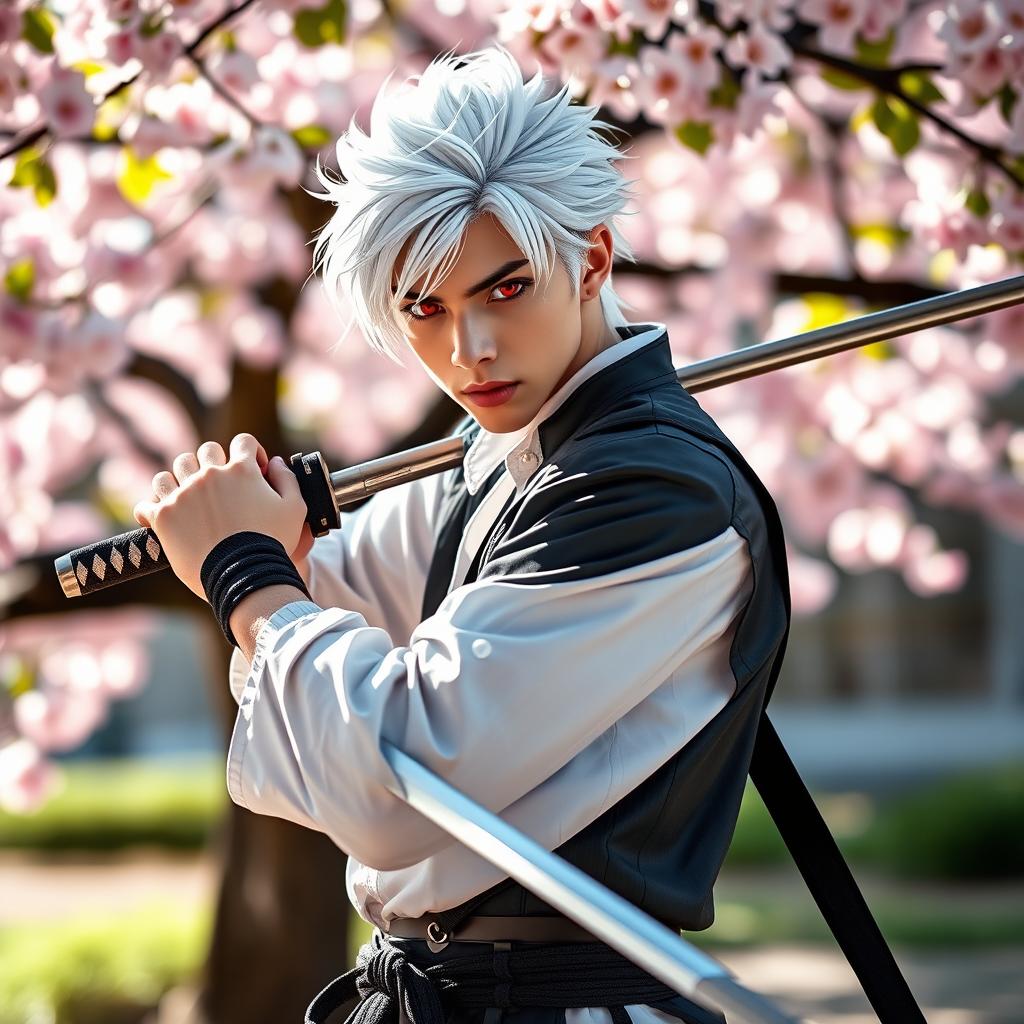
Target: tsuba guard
{"x": 315, "y": 484}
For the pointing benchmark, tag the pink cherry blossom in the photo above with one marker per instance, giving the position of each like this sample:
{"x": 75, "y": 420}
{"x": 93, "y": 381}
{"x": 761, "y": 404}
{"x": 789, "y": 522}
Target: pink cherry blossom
{"x": 612, "y": 86}
{"x": 839, "y": 21}
{"x": 775, "y": 14}
{"x": 881, "y": 16}
{"x": 968, "y": 26}
{"x": 761, "y": 50}
{"x": 10, "y": 24}
{"x": 12, "y": 83}
{"x": 608, "y": 15}
{"x": 575, "y": 49}
{"x": 159, "y": 52}
{"x": 981, "y": 73}
{"x": 937, "y": 573}
{"x": 758, "y": 102}
{"x": 665, "y": 90}
{"x": 27, "y": 779}
{"x": 653, "y": 16}
{"x": 235, "y": 70}
{"x": 59, "y": 718}
{"x": 122, "y": 46}
{"x": 68, "y": 107}
{"x": 696, "y": 48}
{"x": 817, "y": 489}
{"x": 812, "y": 582}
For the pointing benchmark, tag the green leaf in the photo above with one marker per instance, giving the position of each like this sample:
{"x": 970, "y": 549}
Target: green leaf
{"x": 626, "y": 48}
{"x": 726, "y": 93}
{"x": 889, "y": 235}
{"x": 37, "y": 27}
{"x": 315, "y": 26}
{"x": 880, "y": 351}
{"x": 875, "y": 54}
{"x": 919, "y": 86}
{"x": 1007, "y": 100}
{"x": 136, "y": 177}
{"x": 311, "y": 136}
{"x": 897, "y": 122}
{"x": 841, "y": 80}
{"x": 152, "y": 25}
{"x": 87, "y": 67}
{"x": 824, "y": 309}
{"x": 20, "y": 278}
{"x": 32, "y": 170}
{"x": 977, "y": 202}
{"x": 695, "y": 134}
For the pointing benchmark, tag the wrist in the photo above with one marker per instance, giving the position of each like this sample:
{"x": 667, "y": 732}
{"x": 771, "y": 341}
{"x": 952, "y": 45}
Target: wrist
{"x": 252, "y": 612}
{"x": 243, "y": 564}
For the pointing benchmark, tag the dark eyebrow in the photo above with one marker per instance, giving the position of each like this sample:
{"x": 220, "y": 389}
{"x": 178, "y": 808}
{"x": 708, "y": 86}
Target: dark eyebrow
{"x": 487, "y": 282}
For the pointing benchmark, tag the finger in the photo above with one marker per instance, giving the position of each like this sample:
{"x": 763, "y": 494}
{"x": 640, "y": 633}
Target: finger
{"x": 245, "y": 446}
{"x": 164, "y": 484}
{"x": 210, "y": 453}
{"x": 282, "y": 479}
{"x": 143, "y": 513}
{"x": 185, "y": 465}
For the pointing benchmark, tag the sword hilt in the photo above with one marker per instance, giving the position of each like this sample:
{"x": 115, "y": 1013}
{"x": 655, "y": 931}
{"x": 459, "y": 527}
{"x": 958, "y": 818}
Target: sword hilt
{"x": 136, "y": 553}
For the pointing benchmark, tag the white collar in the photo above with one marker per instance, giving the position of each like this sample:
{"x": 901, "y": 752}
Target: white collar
{"x": 521, "y": 448}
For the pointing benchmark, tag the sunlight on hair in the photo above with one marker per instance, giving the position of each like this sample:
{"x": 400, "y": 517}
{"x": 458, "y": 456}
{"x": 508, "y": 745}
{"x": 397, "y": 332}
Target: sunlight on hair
{"x": 471, "y": 137}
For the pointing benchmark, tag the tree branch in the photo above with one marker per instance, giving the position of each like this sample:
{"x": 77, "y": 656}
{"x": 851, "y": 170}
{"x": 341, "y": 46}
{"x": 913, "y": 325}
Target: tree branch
{"x": 37, "y": 133}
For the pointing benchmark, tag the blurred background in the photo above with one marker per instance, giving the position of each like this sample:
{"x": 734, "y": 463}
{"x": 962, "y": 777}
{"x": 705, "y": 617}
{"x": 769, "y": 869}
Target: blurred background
{"x": 796, "y": 164}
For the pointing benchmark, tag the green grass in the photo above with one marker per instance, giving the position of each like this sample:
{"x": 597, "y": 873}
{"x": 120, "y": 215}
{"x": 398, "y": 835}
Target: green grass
{"x": 97, "y": 971}
{"x": 970, "y": 828}
{"x": 110, "y": 805}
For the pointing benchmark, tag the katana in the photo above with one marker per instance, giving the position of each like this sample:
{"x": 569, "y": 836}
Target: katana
{"x": 615, "y": 921}
{"x": 635, "y": 934}
{"x": 138, "y": 552}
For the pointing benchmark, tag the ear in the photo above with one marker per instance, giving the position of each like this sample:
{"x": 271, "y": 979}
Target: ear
{"x": 595, "y": 271}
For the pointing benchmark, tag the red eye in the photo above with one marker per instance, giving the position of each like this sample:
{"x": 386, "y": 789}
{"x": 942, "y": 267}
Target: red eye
{"x": 427, "y": 307}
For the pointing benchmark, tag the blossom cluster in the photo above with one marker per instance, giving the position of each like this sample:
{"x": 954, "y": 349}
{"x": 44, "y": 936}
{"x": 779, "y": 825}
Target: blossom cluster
{"x": 151, "y": 157}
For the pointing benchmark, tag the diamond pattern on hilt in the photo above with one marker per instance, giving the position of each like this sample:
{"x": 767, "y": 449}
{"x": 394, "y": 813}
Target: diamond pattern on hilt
{"x": 99, "y": 566}
{"x": 116, "y": 559}
{"x": 82, "y": 572}
{"x": 152, "y": 548}
{"x": 134, "y": 554}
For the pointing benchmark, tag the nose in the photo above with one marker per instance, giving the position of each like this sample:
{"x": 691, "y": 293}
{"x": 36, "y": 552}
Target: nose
{"x": 473, "y": 344}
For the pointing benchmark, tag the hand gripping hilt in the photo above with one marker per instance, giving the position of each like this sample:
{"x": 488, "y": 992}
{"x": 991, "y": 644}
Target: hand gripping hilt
{"x": 136, "y": 553}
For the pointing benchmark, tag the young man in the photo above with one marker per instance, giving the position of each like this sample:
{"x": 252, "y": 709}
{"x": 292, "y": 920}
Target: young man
{"x": 577, "y": 628}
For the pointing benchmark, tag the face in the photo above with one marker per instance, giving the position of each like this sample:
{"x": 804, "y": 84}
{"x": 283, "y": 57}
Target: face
{"x": 489, "y": 323}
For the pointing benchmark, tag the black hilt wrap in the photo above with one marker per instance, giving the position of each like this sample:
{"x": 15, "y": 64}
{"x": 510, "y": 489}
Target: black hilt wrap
{"x": 139, "y": 552}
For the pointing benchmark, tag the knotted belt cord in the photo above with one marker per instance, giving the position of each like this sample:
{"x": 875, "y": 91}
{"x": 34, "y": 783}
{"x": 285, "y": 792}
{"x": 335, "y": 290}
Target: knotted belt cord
{"x": 563, "y": 975}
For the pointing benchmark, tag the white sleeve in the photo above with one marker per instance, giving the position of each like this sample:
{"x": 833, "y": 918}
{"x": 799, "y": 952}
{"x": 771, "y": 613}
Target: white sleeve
{"x": 512, "y": 677}
{"x": 375, "y": 564}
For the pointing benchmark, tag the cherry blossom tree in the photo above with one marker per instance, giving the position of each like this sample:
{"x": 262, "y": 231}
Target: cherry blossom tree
{"x": 798, "y": 162}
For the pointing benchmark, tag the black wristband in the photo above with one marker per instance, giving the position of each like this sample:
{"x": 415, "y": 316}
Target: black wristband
{"x": 238, "y": 565}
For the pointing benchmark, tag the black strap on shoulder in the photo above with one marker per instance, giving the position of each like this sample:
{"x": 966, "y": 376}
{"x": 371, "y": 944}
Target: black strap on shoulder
{"x": 829, "y": 879}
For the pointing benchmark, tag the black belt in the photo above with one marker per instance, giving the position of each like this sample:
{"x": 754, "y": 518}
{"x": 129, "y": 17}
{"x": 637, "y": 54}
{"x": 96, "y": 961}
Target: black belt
{"x": 386, "y": 980}
{"x": 549, "y": 928}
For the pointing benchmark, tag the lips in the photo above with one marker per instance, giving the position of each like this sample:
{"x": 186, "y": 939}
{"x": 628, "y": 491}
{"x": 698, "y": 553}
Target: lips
{"x": 490, "y": 385}
{"x": 491, "y": 394}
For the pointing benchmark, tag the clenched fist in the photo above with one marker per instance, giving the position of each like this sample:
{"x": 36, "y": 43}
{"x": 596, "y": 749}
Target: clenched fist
{"x": 209, "y": 496}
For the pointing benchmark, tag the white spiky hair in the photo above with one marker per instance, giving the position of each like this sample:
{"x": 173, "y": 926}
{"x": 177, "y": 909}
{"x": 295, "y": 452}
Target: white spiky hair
{"x": 471, "y": 138}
